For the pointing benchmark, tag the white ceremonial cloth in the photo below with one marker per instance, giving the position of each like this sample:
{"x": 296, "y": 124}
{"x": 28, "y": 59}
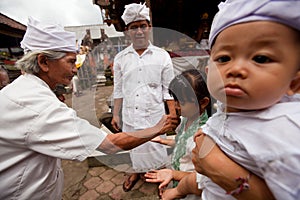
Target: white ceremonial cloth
{"x": 147, "y": 156}
{"x": 37, "y": 130}
{"x": 46, "y": 36}
{"x": 281, "y": 11}
{"x": 135, "y": 12}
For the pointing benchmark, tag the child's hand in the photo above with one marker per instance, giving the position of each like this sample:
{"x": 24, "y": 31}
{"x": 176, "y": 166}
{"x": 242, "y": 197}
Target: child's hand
{"x": 163, "y": 176}
{"x": 170, "y": 194}
{"x": 169, "y": 142}
{"x": 157, "y": 140}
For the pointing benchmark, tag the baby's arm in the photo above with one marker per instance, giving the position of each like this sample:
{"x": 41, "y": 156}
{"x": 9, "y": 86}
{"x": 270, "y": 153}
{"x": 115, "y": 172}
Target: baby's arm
{"x": 224, "y": 172}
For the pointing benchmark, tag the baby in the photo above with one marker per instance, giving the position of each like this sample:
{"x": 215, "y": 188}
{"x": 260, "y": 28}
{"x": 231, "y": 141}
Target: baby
{"x": 254, "y": 73}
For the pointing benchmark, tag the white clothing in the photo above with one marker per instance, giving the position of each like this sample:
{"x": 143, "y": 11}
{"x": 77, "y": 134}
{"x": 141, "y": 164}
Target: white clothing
{"x": 75, "y": 84}
{"x": 282, "y": 11}
{"x": 147, "y": 156}
{"x": 142, "y": 82}
{"x": 37, "y": 130}
{"x": 210, "y": 190}
{"x": 186, "y": 163}
{"x": 135, "y": 12}
{"x": 265, "y": 142}
{"x": 47, "y": 36}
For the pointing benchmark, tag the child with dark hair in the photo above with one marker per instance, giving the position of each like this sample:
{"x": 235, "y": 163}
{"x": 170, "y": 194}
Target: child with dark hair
{"x": 193, "y": 103}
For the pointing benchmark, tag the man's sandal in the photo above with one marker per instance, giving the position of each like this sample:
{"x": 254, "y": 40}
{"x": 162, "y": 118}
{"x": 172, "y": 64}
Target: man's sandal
{"x": 130, "y": 182}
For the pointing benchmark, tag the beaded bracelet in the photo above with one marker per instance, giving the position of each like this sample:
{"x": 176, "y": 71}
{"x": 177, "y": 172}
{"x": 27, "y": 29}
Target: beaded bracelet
{"x": 244, "y": 185}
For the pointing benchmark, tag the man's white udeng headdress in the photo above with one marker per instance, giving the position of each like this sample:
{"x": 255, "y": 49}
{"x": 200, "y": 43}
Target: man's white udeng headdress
{"x": 135, "y": 12}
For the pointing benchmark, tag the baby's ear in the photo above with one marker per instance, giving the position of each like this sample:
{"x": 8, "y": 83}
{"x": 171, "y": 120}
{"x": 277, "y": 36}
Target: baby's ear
{"x": 206, "y": 69}
{"x": 295, "y": 85}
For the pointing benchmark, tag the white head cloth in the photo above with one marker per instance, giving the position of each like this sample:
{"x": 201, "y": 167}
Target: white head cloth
{"x": 238, "y": 11}
{"x": 135, "y": 12}
{"x": 42, "y": 36}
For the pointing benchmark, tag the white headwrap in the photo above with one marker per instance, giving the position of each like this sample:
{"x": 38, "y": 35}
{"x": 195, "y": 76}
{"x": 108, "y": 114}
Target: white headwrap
{"x": 238, "y": 11}
{"x": 42, "y": 36}
{"x": 135, "y": 12}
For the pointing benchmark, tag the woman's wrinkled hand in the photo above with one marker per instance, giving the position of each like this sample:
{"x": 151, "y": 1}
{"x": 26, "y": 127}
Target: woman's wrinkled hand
{"x": 167, "y": 123}
{"x": 206, "y": 155}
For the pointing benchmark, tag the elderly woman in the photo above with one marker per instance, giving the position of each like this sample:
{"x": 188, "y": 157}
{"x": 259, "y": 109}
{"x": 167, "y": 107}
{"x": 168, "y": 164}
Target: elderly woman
{"x": 37, "y": 130}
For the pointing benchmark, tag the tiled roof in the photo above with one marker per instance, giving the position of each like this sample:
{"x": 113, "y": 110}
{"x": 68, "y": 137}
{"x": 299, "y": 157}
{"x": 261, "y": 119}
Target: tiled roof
{"x": 11, "y": 23}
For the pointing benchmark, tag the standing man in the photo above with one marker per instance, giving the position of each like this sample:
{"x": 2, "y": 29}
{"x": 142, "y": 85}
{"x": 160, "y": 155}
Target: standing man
{"x": 142, "y": 73}
{"x": 37, "y": 130}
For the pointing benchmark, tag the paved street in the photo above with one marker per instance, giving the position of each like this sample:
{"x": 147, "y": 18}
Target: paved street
{"x": 90, "y": 179}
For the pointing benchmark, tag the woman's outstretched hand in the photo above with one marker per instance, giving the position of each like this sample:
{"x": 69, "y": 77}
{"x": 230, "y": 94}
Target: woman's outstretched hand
{"x": 167, "y": 123}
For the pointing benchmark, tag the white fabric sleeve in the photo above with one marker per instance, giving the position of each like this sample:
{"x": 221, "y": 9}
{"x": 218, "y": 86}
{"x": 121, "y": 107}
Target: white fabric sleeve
{"x": 117, "y": 79}
{"x": 58, "y": 132}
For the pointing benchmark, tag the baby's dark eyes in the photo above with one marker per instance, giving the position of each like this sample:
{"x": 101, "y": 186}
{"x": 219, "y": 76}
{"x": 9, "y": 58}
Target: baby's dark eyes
{"x": 258, "y": 59}
{"x": 262, "y": 59}
{"x": 222, "y": 59}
